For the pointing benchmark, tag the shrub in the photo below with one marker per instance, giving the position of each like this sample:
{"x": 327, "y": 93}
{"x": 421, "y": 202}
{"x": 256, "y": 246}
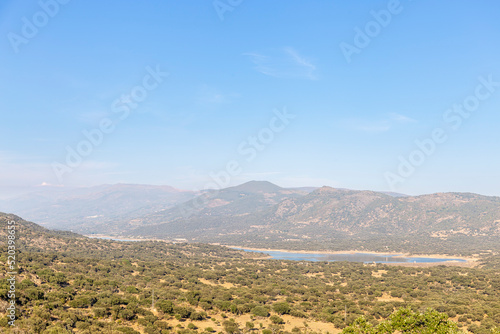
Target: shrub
{"x": 281, "y": 308}
{"x": 127, "y": 330}
{"x": 276, "y": 320}
{"x": 260, "y": 311}
{"x": 166, "y": 306}
{"x": 230, "y": 327}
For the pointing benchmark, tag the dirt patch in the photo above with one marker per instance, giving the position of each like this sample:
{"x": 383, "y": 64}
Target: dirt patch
{"x": 388, "y": 298}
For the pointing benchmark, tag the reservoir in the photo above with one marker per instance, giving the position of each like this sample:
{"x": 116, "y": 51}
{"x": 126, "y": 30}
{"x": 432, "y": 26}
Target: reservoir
{"x": 350, "y": 257}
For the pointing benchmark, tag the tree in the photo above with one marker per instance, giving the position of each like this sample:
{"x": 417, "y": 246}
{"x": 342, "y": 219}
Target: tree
{"x": 431, "y": 322}
{"x": 360, "y": 326}
{"x": 166, "y": 306}
{"x": 231, "y": 327}
{"x": 260, "y": 311}
{"x": 249, "y": 325}
{"x": 276, "y": 320}
{"x": 405, "y": 320}
{"x": 281, "y": 308}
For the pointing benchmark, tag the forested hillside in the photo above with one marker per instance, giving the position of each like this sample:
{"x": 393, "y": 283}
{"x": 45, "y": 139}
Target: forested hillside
{"x": 339, "y": 219}
{"x": 72, "y": 284}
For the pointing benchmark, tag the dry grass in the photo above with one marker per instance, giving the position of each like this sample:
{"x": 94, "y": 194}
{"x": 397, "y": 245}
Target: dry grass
{"x": 290, "y": 323}
{"x": 388, "y": 298}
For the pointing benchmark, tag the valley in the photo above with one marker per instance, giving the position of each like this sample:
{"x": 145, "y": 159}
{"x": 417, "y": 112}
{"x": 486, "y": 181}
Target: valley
{"x": 68, "y": 283}
{"x": 259, "y": 214}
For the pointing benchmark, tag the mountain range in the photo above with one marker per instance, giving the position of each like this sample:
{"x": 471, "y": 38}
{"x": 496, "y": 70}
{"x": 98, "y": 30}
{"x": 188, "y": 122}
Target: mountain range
{"x": 90, "y": 209}
{"x": 259, "y": 213}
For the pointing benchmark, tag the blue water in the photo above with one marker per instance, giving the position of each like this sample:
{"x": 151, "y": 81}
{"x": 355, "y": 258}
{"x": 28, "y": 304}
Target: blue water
{"x": 354, "y": 257}
{"x": 113, "y": 239}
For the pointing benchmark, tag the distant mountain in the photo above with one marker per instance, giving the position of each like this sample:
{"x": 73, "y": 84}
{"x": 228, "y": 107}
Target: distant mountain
{"x": 259, "y": 213}
{"x": 217, "y": 205}
{"x": 102, "y": 208}
{"x": 351, "y": 212}
{"x": 327, "y": 216}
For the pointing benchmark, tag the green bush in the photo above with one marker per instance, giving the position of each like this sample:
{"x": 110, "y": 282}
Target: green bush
{"x": 260, "y": 311}
{"x": 281, "y": 308}
{"x": 276, "y": 320}
{"x": 127, "y": 330}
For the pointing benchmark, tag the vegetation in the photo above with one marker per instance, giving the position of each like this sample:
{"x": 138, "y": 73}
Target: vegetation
{"x": 259, "y": 214}
{"x": 406, "y": 321}
{"x": 71, "y": 284}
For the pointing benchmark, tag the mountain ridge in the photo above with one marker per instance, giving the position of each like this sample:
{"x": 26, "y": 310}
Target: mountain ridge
{"x": 262, "y": 213}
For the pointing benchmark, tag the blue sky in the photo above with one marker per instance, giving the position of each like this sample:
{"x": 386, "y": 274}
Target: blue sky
{"x": 354, "y": 118}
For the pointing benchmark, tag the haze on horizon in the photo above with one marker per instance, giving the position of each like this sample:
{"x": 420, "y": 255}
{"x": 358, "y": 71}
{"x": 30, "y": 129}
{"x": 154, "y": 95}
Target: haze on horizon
{"x": 392, "y": 95}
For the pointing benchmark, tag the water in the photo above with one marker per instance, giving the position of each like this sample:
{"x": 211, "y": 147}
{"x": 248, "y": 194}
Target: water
{"x": 113, "y": 239}
{"x": 351, "y": 257}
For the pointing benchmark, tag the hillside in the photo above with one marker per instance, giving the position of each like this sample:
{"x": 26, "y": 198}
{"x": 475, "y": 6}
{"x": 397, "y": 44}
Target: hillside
{"x": 262, "y": 214}
{"x": 85, "y": 210}
{"x": 67, "y": 283}
{"x": 220, "y": 205}
{"x": 346, "y": 219}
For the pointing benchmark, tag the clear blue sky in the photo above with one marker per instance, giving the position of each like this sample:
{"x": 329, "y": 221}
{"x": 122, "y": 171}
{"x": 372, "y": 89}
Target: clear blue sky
{"x": 226, "y": 79}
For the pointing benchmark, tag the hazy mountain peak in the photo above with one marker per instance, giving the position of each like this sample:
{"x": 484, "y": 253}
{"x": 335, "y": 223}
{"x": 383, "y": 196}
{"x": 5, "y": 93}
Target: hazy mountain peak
{"x": 326, "y": 190}
{"x": 257, "y": 186}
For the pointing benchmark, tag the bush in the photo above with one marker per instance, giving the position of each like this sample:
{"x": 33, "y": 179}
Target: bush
{"x": 131, "y": 289}
{"x": 297, "y": 313}
{"x": 166, "y": 306}
{"x": 405, "y": 320}
{"x": 281, "y": 308}
{"x": 196, "y": 316}
{"x": 127, "y": 314}
{"x": 260, "y": 311}
{"x": 127, "y": 330}
{"x": 230, "y": 327}
{"x": 276, "y": 320}
{"x": 55, "y": 330}
{"x": 81, "y": 302}
{"x": 100, "y": 312}
{"x": 183, "y": 312}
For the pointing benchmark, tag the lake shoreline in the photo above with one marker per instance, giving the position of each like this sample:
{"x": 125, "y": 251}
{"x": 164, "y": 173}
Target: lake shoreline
{"x": 469, "y": 261}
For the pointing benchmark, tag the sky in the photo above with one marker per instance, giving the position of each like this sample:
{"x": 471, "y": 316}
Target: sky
{"x": 382, "y": 95}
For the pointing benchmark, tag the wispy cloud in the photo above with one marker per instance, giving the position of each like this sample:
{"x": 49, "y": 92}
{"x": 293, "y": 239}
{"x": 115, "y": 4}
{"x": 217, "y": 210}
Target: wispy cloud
{"x": 401, "y": 118}
{"x": 283, "y": 63}
{"x": 377, "y": 125}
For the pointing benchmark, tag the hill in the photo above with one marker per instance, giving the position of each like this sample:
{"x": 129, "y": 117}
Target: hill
{"x": 329, "y": 218}
{"x": 102, "y": 208}
{"x": 67, "y": 283}
{"x": 210, "y": 209}
{"x": 262, "y": 214}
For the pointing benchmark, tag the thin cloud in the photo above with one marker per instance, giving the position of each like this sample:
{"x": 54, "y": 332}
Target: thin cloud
{"x": 286, "y": 63}
{"x": 401, "y": 118}
{"x": 378, "y": 126}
